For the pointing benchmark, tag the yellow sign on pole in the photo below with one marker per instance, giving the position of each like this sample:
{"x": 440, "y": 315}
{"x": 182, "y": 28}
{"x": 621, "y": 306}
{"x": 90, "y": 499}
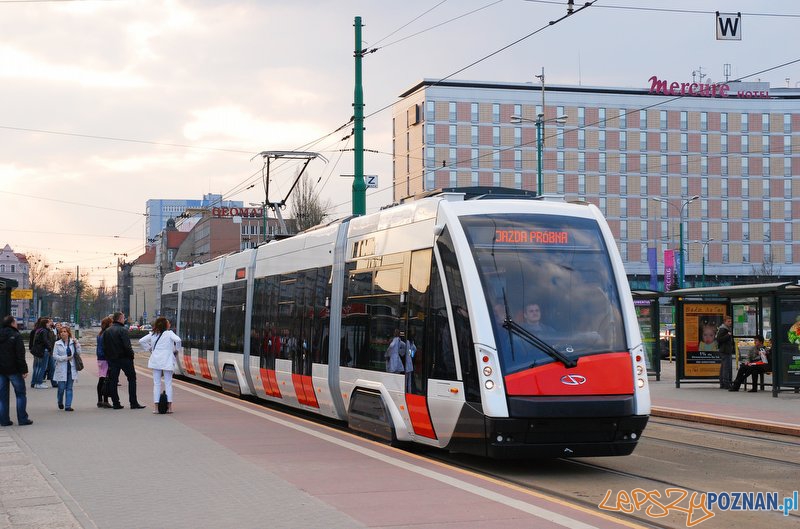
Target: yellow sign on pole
{"x": 22, "y": 293}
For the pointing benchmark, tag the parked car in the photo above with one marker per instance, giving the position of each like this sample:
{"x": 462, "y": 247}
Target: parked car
{"x": 133, "y": 327}
{"x": 146, "y": 327}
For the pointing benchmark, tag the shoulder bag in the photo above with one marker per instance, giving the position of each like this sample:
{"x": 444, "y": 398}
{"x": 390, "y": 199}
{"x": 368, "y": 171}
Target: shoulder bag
{"x": 77, "y": 358}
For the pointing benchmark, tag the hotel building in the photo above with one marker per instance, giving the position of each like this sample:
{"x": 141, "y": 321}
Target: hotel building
{"x": 641, "y": 155}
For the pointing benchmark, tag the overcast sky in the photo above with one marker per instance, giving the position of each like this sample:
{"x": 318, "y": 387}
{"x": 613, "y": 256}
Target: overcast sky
{"x": 106, "y": 104}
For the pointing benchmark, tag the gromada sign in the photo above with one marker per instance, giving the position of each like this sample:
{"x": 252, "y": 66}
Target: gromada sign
{"x": 248, "y": 213}
{"x": 662, "y": 86}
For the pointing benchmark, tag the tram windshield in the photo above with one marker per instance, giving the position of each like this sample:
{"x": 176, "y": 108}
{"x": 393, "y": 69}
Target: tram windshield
{"x": 552, "y": 276}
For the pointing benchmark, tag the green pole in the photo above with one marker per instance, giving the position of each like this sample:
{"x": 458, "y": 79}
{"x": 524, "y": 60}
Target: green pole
{"x": 264, "y": 216}
{"x": 680, "y": 252}
{"x": 359, "y": 185}
{"x": 77, "y": 300}
{"x": 539, "y": 154}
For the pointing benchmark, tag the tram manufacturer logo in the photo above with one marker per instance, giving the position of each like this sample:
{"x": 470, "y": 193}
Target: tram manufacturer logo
{"x": 573, "y": 380}
{"x": 697, "y": 506}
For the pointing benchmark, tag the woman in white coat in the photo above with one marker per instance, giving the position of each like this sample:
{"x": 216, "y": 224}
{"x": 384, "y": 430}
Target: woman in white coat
{"x": 163, "y": 344}
{"x": 65, "y": 373}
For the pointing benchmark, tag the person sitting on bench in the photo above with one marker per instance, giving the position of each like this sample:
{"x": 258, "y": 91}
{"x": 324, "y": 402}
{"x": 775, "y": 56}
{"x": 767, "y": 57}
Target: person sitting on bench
{"x": 759, "y": 363}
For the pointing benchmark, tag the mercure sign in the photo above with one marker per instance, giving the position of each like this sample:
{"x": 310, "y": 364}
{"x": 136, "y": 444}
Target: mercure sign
{"x": 662, "y": 86}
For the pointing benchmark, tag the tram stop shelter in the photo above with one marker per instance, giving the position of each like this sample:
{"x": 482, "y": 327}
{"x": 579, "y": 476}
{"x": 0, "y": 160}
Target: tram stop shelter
{"x": 6, "y": 286}
{"x": 770, "y": 309}
{"x": 647, "y": 313}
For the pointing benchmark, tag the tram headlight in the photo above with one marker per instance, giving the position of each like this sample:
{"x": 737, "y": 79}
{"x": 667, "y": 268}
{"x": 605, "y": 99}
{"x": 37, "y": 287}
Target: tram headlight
{"x": 489, "y": 384}
{"x": 639, "y": 370}
{"x": 640, "y": 383}
{"x": 487, "y": 371}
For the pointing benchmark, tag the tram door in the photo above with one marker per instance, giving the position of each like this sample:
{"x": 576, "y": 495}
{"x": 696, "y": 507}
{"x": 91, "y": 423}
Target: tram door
{"x": 432, "y": 403}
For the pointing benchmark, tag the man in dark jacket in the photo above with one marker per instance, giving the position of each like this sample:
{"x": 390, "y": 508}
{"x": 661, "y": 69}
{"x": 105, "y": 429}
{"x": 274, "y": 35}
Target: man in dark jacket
{"x": 13, "y": 370}
{"x": 119, "y": 355}
{"x": 725, "y": 343}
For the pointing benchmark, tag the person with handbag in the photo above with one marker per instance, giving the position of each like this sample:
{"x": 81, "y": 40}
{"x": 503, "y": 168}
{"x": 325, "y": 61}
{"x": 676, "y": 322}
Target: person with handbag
{"x": 66, "y": 354}
{"x": 163, "y": 345}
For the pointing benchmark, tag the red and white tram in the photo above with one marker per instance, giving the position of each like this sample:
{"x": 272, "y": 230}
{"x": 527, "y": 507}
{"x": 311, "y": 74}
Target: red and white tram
{"x": 307, "y": 321}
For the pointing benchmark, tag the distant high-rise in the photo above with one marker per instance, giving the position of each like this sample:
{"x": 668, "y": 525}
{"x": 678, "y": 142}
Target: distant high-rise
{"x": 159, "y": 211}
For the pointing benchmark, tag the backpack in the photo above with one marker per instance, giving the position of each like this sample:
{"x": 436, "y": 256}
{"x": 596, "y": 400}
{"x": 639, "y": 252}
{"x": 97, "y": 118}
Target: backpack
{"x": 38, "y": 344}
{"x": 163, "y": 404}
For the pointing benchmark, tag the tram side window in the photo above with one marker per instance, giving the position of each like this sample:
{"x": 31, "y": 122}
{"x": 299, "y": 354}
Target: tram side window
{"x": 186, "y": 326}
{"x": 321, "y": 328}
{"x": 461, "y": 321}
{"x": 169, "y": 308}
{"x": 441, "y": 364}
{"x": 287, "y": 313}
{"x": 418, "y": 293}
{"x": 197, "y": 318}
{"x": 231, "y": 325}
{"x": 265, "y": 341}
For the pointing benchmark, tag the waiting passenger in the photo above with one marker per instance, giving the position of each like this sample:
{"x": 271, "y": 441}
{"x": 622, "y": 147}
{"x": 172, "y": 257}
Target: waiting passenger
{"x": 395, "y": 354}
{"x": 759, "y": 363}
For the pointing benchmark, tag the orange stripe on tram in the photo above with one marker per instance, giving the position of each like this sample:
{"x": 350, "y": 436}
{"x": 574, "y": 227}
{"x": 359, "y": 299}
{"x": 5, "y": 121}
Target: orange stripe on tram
{"x": 187, "y": 363}
{"x": 420, "y": 417}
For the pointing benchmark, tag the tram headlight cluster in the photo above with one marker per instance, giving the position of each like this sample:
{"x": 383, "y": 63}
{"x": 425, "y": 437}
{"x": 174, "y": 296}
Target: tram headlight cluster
{"x": 487, "y": 371}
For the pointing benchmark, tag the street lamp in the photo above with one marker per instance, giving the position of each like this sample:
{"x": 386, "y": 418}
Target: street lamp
{"x": 680, "y": 220}
{"x": 539, "y": 121}
{"x": 705, "y": 244}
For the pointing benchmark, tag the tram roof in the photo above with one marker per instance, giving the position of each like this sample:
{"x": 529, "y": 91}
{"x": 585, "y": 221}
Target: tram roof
{"x": 735, "y": 291}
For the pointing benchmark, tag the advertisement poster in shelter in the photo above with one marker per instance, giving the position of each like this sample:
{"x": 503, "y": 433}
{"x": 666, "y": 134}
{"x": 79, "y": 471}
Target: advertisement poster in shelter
{"x": 701, "y": 352}
{"x": 788, "y": 362}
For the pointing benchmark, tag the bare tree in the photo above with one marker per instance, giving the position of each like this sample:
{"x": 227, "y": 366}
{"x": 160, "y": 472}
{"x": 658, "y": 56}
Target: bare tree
{"x": 767, "y": 268}
{"x": 308, "y": 209}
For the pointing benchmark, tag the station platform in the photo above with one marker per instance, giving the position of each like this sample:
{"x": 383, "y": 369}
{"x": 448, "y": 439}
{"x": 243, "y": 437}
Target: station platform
{"x": 219, "y": 461}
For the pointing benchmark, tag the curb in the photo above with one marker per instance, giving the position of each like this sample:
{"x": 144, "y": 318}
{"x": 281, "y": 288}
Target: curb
{"x": 725, "y": 420}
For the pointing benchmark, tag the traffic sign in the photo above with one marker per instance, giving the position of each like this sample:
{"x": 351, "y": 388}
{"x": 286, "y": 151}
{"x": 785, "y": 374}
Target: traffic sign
{"x": 22, "y": 293}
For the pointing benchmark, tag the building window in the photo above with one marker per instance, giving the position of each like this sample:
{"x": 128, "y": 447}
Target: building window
{"x": 623, "y": 185}
{"x": 517, "y": 136}
{"x": 745, "y": 166}
{"x": 581, "y": 161}
{"x": 663, "y": 163}
{"x": 787, "y": 253}
{"x": 765, "y": 144}
{"x": 787, "y": 189}
{"x": 663, "y": 141}
{"x": 602, "y": 162}
{"x": 684, "y": 164}
{"x": 787, "y": 145}
{"x": 662, "y": 119}
{"x": 581, "y": 139}
{"x": 725, "y": 231}
{"x": 623, "y": 141}
{"x": 745, "y": 188}
{"x": 723, "y": 165}
{"x": 474, "y": 158}
{"x": 623, "y": 119}
{"x": 474, "y": 180}
{"x": 723, "y": 122}
{"x": 495, "y": 159}
{"x": 643, "y": 163}
{"x": 642, "y": 141}
{"x": 560, "y": 160}
{"x": 684, "y": 119}
{"x": 560, "y": 183}
{"x": 496, "y": 179}
{"x": 787, "y": 167}
{"x": 704, "y": 208}
{"x": 518, "y": 180}
{"x": 664, "y": 230}
{"x": 430, "y": 180}
{"x": 704, "y": 230}
{"x": 725, "y": 257}
{"x": 496, "y": 136}
{"x": 704, "y": 187}
{"x": 430, "y": 133}
{"x": 602, "y": 205}
{"x": 787, "y": 123}
{"x": 643, "y": 119}
{"x": 623, "y": 224}
{"x": 453, "y": 179}
{"x": 766, "y": 232}
{"x": 745, "y": 212}
{"x": 601, "y": 117}
{"x": 664, "y": 186}
{"x": 473, "y": 135}
{"x": 745, "y": 144}
{"x": 623, "y": 162}
{"x": 684, "y": 142}
{"x": 704, "y": 143}
{"x": 430, "y": 154}
{"x": 745, "y": 122}
{"x": 473, "y": 112}
{"x": 451, "y": 131}
{"x": 766, "y": 211}
{"x": 704, "y": 165}
{"x": 559, "y": 111}
{"x": 430, "y": 111}
{"x": 518, "y": 159}
{"x": 495, "y": 113}
{"x": 745, "y": 253}
{"x": 582, "y": 184}
{"x": 517, "y": 110}
{"x": 704, "y": 121}
{"x": 724, "y": 210}
{"x": 581, "y": 116}
{"x": 601, "y": 140}
{"x": 452, "y": 111}
{"x": 559, "y": 140}
{"x": 723, "y": 143}
{"x": 787, "y": 232}
{"x": 765, "y": 165}
{"x": 684, "y": 186}
{"x": 643, "y": 212}
{"x": 765, "y": 122}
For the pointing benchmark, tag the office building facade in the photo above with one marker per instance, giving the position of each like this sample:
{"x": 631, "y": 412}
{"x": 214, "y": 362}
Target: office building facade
{"x": 159, "y": 211}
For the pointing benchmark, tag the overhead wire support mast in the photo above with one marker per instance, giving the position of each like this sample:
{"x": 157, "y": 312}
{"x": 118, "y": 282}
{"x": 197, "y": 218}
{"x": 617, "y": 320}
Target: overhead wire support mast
{"x": 268, "y": 156}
